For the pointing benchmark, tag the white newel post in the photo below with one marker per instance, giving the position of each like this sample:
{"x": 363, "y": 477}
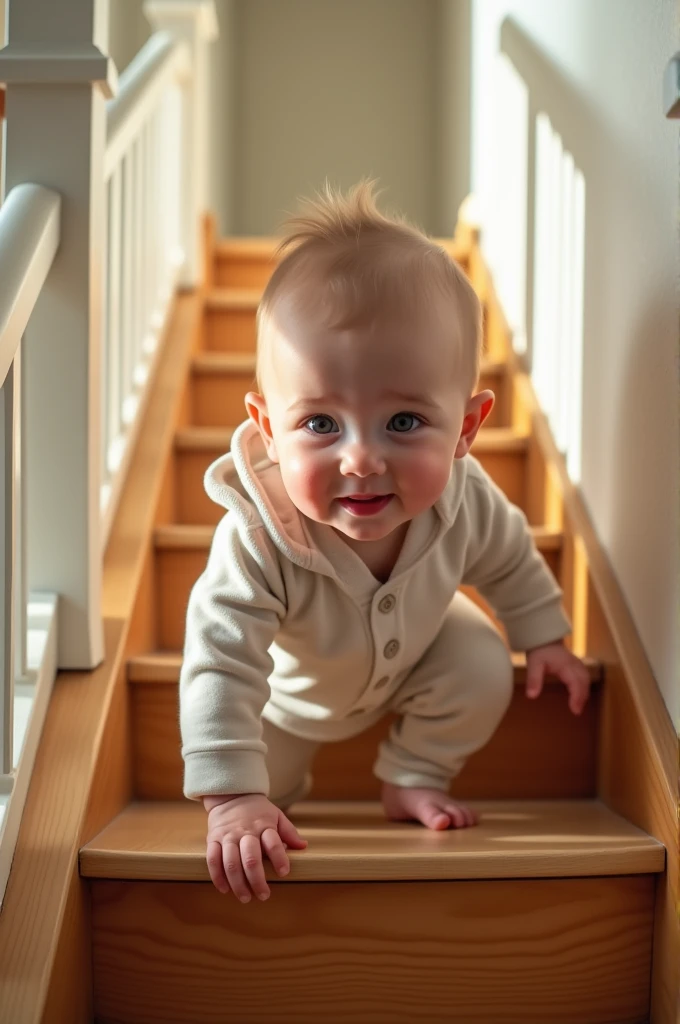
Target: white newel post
{"x": 58, "y": 77}
{"x": 195, "y": 23}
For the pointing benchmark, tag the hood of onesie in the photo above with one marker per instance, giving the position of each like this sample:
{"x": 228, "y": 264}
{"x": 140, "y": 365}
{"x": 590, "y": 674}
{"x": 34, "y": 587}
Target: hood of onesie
{"x": 246, "y": 477}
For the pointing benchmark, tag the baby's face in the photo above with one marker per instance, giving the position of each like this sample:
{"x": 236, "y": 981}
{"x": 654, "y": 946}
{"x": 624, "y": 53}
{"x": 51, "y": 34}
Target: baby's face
{"x": 363, "y": 422}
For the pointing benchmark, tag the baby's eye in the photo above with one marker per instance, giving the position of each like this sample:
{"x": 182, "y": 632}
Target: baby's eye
{"x": 326, "y": 424}
{"x": 403, "y": 422}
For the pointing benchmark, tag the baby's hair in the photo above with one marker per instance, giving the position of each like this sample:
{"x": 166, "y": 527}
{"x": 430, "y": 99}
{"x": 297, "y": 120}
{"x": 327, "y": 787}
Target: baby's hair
{"x": 348, "y": 264}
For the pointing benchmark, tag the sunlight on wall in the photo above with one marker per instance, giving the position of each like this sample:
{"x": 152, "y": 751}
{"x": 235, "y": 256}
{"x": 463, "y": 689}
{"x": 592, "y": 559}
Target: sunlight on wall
{"x": 510, "y": 206}
{"x": 557, "y": 334}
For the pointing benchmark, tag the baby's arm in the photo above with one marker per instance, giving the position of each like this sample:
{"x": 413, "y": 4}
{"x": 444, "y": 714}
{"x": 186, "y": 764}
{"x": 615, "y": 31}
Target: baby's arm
{"x": 510, "y": 573}
{"x": 234, "y": 612}
{"x": 503, "y": 563}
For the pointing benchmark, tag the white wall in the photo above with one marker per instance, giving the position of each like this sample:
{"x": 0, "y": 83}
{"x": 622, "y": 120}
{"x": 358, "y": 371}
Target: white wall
{"x": 609, "y": 57}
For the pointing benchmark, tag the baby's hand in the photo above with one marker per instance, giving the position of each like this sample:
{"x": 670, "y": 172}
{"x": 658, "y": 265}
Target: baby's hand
{"x": 566, "y": 666}
{"x": 238, "y": 828}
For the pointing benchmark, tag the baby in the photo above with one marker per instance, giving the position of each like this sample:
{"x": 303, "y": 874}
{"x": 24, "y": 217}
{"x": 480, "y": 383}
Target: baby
{"x": 355, "y": 512}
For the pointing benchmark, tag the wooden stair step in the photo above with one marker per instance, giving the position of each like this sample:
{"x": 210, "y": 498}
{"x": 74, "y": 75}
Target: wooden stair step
{"x": 164, "y": 667}
{"x": 233, "y": 298}
{"x": 222, "y": 364}
{"x": 352, "y": 841}
{"x": 539, "y": 751}
{"x": 543, "y": 912}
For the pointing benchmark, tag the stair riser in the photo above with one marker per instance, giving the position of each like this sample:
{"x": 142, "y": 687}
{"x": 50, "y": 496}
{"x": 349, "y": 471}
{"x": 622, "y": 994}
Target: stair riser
{"x": 507, "y": 469}
{"x": 231, "y": 272}
{"x": 177, "y": 570}
{"x": 531, "y": 755}
{"x": 229, "y": 330}
{"x": 558, "y": 950}
{"x": 217, "y": 399}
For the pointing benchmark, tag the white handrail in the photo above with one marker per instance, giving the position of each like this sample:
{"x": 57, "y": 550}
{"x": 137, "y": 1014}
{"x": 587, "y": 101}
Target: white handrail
{"x": 29, "y": 239}
{"x": 162, "y": 61}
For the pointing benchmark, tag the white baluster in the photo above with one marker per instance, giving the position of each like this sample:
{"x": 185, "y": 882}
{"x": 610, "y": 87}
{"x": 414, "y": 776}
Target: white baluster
{"x": 21, "y": 562}
{"x": 115, "y": 368}
{"x": 8, "y": 403}
{"x": 127, "y": 349}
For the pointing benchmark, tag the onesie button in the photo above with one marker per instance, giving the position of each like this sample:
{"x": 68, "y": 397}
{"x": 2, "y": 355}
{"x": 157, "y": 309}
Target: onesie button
{"x": 382, "y": 682}
{"x": 387, "y": 604}
{"x": 391, "y": 649}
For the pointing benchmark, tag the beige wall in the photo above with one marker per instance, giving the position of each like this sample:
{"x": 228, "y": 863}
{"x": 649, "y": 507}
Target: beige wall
{"x": 609, "y": 57}
{"x": 304, "y": 89}
{"x": 339, "y": 90}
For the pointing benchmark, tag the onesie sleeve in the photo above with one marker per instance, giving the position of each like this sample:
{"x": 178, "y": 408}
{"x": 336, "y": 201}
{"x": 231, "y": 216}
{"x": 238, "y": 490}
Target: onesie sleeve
{"x": 234, "y": 612}
{"x": 507, "y": 569}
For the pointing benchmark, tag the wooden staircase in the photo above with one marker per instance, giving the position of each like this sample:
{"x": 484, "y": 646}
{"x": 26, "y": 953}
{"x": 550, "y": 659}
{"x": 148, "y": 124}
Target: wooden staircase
{"x": 545, "y": 912}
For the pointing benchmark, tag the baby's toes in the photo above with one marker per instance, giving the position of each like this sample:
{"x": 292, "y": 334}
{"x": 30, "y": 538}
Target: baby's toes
{"x": 462, "y": 816}
{"x": 434, "y": 817}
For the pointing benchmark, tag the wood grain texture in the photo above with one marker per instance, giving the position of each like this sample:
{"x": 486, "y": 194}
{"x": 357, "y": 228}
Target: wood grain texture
{"x": 352, "y": 841}
{"x": 558, "y": 951}
{"x": 230, "y": 330}
{"x": 539, "y": 751}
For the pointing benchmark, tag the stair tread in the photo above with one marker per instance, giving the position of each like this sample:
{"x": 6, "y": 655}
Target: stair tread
{"x": 200, "y": 439}
{"x": 233, "y": 297}
{"x": 199, "y": 536}
{"x": 164, "y": 667}
{"x": 496, "y": 440}
{"x": 352, "y": 840}
{"x": 219, "y": 363}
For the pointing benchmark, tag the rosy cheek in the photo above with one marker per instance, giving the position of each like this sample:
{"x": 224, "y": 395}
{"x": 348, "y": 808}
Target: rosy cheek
{"x": 305, "y": 476}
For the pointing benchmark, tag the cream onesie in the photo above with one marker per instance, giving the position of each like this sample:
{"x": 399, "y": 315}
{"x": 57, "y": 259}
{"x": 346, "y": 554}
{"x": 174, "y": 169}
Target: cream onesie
{"x": 290, "y": 639}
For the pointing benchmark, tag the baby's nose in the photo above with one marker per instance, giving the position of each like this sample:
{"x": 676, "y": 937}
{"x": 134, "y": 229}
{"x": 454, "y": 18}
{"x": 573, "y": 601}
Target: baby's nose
{"x": 362, "y": 459}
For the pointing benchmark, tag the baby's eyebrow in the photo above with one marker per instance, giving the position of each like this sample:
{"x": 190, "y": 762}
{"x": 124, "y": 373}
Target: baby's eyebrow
{"x": 333, "y": 397}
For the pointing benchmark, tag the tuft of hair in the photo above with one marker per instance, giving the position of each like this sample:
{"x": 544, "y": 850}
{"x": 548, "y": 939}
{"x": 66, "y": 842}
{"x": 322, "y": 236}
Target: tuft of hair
{"x": 344, "y": 263}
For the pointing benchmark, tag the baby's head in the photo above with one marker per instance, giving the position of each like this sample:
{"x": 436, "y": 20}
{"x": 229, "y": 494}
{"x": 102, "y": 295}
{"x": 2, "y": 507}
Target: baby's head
{"x": 368, "y": 352}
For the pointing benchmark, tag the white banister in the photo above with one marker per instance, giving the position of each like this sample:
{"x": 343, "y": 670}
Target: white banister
{"x": 58, "y": 76}
{"x": 195, "y": 23}
{"x": 29, "y": 238}
{"x": 161, "y": 62}
{"x": 143, "y": 251}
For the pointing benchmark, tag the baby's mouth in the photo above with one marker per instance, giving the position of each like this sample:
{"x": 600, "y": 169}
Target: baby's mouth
{"x": 364, "y": 505}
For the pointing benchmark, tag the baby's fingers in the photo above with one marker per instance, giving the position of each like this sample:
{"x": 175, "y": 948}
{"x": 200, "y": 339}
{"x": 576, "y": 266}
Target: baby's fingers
{"x": 578, "y": 685}
{"x": 231, "y": 856}
{"x": 216, "y": 866}
{"x": 251, "y": 858}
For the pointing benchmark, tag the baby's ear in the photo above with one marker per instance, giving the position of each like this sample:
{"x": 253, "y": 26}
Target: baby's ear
{"x": 256, "y": 408}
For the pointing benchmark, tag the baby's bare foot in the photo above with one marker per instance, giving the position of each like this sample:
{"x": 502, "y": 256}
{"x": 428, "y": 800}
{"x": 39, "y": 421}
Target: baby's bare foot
{"x": 431, "y": 807}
